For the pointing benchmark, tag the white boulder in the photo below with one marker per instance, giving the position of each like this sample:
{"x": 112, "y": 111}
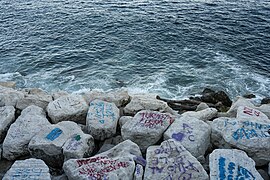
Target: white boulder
{"x": 171, "y": 160}
{"x": 68, "y": 108}
{"x": 78, "y": 146}
{"x": 232, "y": 164}
{"x": 47, "y": 144}
{"x": 204, "y": 115}
{"x": 102, "y": 119}
{"x": 248, "y": 113}
{"x": 31, "y": 121}
{"x": 28, "y": 169}
{"x": 7, "y": 116}
{"x": 240, "y": 101}
{"x": 146, "y": 128}
{"x": 250, "y": 136}
{"x": 193, "y": 134}
{"x": 124, "y": 119}
{"x": 9, "y": 96}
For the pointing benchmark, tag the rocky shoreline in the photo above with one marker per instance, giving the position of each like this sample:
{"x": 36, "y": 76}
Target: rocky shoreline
{"x": 115, "y": 135}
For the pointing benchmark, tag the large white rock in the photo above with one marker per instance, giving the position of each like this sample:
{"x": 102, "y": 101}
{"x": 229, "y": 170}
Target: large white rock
{"x": 68, "y": 108}
{"x": 248, "y": 113}
{"x": 7, "y": 116}
{"x": 232, "y": 164}
{"x": 47, "y": 144}
{"x": 251, "y": 136}
{"x": 193, "y": 134}
{"x": 100, "y": 167}
{"x": 204, "y": 115}
{"x": 9, "y": 96}
{"x": 146, "y": 128}
{"x": 102, "y": 119}
{"x": 36, "y": 97}
{"x": 78, "y": 146}
{"x": 171, "y": 160}
{"x": 240, "y": 101}
{"x": 28, "y": 169}
{"x": 119, "y": 97}
{"x": 146, "y": 102}
{"x": 27, "y": 125}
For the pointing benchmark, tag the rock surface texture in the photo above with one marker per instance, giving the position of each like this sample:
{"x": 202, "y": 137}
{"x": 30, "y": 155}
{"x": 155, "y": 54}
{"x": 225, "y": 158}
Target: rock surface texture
{"x": 171, "y": 160}
{"x": 232, "y": 164}
{"x": 102, "y": 119}
{"x": 146, "y": 128}
{"x": 7, "y": 116}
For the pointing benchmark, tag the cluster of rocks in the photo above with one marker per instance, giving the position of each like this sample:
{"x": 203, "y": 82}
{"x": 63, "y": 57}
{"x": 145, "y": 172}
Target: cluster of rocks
{"x": 114, "y": 135}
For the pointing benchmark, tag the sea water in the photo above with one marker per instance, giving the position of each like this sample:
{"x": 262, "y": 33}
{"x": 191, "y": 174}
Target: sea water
{"x": 174, "y": 48}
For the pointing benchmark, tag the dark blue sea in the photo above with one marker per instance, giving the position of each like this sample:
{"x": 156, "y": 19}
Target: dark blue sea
{"x": 171, "y": 47}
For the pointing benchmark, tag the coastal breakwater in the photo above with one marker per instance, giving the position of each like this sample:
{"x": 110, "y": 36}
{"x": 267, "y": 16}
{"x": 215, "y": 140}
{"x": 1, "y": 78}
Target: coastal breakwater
{"x": 115, "y": 135}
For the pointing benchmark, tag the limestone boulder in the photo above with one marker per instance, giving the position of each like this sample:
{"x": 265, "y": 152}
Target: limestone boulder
{"x": 232, "y": 164}
{"x": 124, "y": 119}
{"x": 36, "y": 97}
{"x": 171, "y": 160}
{"x": 193, "y": 134}
{"x": 202, "y": 106}
{"x": 102, "y": 119}
{"x": 247, "y": 113}
{"x": 9, "y": 96}
{"x": 204, "y": 115}
{"x": 58, "y": 94}
{"x": 119, "y": 97}
{"x": 28, "y": 169}
{"x": 7, "y": 116}
{"x": 48, "y": 143}
{"x": 100, "y": 167}
{"x": 78, "y": 146}
{"x": 240, "y": 101}
{"x": 146, "y": 102}
{"x": 146, "y": 128}
{"x": 68, "y": 108}
{"x": 250, "y": 136}
{"x": 31, "y": 121}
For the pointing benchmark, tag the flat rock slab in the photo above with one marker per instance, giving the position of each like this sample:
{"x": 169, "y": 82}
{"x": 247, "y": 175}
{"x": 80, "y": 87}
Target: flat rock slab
{"x": 232, "y": 164}
{"x": 171, "y": 160}
{"x": 102, "y": 119}
{"x": 204, "y": 115}
{"x": 146, "y": 128}
{"x": 248, "y": 113}
{"x": 7, "y": 116}
{"x": 251, "y": 136}
{"x": 47, "y": 144}
{"x": 78, "y": 146}
{"x": 31, "y": 121}
{"x": 193, "y": 134}
{"x": 28, "y": 169}
{"x": 99, "y": 167}
{"x": 68, "y": 108}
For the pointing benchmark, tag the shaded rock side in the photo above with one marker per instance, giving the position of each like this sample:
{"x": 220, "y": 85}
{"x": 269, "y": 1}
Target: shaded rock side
{"x": 232, "y": 164}
{"x": 171, "y": 160}
{"x": 7, "y": 116}
{"x": 204, "y": 115}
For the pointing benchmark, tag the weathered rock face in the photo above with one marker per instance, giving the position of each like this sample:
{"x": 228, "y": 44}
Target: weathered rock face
{"x": 120, "y": 97}
{"x": 36, "y": 97}
{"x": 265, "y": 108}
{"x": 171, "y": 160}
{"x": 68, "y": 108}
{"x": 146, "y": 128}
{"x": 78, "y": 146}
{"x": 28, "y": 169}
{"x": 232, "y": 164}
{"x": 47, "y": 144}
{"x": 9, "y": 96}
{"x": 146, "y": 102}
{"x": 8, "y": 84}
{"x": 7, "y": 116}
{"x": 239, "y": 102}
{"x": 124, "y": 119}
{"x": 211, "y": 96}
{"x": 247, "y": 113}
{"x": 99, "y": 167}
{"x": 202, "y": 106}
{"x": 27, "y": 125}
{"x": 138, "y": 174}
{"x": 102, "y": 119}
{"x": 204, "y": 115}
{"x": 193, "y": 134}
{"x": 58, "y": 94}
{"x": 251, "y": 136}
